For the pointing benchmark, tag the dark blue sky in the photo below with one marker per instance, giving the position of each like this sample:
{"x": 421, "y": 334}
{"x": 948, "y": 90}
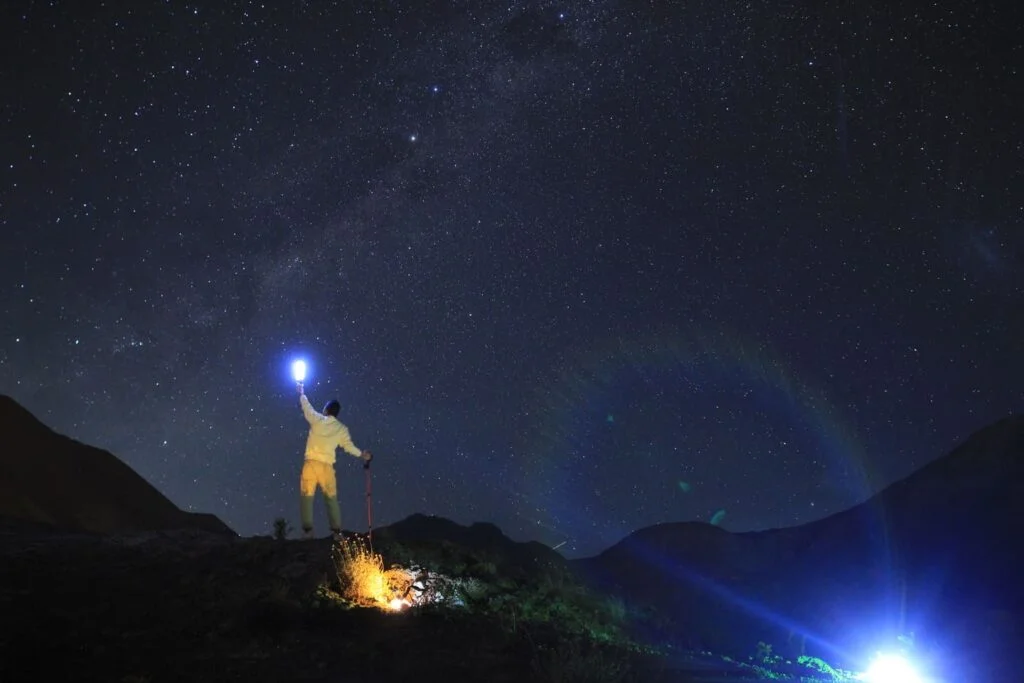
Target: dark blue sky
{"x": 572, "y": 268}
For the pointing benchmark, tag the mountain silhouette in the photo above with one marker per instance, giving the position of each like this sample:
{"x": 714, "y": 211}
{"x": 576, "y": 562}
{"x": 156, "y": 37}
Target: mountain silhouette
{"x": 430, "y": 533}
{"x": 932, "y": 561}
{"x": 934, "y": 555}
{"x": 49, "y": 479}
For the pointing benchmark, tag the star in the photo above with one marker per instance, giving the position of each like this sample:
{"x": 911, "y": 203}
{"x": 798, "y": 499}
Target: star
{"x": 596, "y": 275}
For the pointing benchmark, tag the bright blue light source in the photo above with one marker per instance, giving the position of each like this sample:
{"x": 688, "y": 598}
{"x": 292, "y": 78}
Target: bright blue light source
{"x": 891, "y": 669}
{"x": 299, "y": 370}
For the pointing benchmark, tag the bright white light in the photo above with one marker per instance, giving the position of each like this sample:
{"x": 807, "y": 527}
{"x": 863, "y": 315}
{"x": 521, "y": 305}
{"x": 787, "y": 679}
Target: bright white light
{"x": 891, "y": 669}
{"x": 299, "y": 370}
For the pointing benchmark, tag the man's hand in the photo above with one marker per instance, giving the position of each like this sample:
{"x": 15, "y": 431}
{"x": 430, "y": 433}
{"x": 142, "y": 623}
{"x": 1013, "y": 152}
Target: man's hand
{"x": 367, "y": 456}
{"x": 299, "y": 386}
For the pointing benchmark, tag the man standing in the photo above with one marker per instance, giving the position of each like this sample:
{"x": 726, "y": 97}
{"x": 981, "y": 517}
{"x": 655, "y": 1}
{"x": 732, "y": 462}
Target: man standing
{"x": 326, "y": 434}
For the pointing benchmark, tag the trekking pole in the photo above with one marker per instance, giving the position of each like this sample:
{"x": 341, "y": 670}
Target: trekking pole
{"x": 369, "y": 504}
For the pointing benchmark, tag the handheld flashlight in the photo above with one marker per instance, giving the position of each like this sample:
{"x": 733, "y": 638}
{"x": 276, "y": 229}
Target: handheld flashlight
{"x": 299, "y": 371}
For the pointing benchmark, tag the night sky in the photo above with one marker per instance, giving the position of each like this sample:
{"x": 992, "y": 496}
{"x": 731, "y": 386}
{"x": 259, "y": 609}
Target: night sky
{"x": 571, "y": 268}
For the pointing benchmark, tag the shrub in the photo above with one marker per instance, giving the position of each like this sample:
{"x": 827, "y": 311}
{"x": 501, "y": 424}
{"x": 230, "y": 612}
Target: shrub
{"x": 281, "y": 528}
{"x": 363, "y": 579}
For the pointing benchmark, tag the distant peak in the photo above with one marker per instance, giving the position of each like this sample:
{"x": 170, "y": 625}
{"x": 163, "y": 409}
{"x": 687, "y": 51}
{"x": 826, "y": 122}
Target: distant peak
{"x": 12, "y": 409}
{"x": 9, "y": 402}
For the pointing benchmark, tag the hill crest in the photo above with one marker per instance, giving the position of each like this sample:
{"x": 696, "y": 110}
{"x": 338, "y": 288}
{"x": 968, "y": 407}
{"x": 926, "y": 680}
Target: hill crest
{"x": 52, "y": 479}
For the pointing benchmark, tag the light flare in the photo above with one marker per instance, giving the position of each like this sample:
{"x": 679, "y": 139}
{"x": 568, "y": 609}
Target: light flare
{"x": 891, "y": 668}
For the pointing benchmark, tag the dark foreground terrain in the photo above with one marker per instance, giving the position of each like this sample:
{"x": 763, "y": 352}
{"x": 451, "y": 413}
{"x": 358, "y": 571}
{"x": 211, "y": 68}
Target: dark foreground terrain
{"x": 195, "y": 606}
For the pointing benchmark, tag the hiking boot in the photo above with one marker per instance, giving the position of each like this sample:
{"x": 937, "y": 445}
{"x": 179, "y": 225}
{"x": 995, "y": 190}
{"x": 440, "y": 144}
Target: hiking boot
{"x": 307, "y": 535}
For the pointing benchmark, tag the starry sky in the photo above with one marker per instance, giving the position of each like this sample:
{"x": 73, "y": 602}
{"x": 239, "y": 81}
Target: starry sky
{"x": 573, "y": 268}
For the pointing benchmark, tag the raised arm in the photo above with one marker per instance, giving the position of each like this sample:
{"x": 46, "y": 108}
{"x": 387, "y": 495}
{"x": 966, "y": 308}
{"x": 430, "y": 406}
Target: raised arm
{"x": 312, "y": 416}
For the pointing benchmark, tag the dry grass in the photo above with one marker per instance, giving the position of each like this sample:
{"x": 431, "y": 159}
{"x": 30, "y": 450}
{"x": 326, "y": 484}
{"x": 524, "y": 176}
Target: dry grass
{"x": 364, "y": 580}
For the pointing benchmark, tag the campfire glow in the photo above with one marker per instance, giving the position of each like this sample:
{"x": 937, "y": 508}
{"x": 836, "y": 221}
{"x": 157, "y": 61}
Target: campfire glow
{"x": 361, "y": 572}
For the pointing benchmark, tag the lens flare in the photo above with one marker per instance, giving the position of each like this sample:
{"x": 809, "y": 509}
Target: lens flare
{"x": 891, "y": 669}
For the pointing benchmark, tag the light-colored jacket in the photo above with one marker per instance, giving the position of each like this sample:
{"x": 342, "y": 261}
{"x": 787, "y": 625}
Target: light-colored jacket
{"x": 326, "y": 434}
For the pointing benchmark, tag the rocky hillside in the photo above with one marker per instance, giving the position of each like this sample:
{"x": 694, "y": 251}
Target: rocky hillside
{"x": 51, "y": 479}
{"x": 934, "y": 555}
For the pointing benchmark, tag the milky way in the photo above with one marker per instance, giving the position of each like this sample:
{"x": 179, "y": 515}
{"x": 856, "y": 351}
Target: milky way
{"x": 571, "y": 268}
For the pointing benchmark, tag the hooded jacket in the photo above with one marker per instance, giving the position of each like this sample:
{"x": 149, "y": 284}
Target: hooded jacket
{"x": 326, "y": 434}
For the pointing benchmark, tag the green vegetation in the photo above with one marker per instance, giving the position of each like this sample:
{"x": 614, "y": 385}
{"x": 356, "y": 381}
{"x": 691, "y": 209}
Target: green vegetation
{"x": 770, "y": 666}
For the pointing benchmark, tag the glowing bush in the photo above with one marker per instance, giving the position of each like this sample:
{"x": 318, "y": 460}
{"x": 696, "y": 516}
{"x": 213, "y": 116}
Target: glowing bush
{"x": 363, "y": 579}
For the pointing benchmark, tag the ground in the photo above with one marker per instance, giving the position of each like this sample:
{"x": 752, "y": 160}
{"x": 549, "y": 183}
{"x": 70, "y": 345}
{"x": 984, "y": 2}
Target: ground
{"x": 196, "y": 606}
